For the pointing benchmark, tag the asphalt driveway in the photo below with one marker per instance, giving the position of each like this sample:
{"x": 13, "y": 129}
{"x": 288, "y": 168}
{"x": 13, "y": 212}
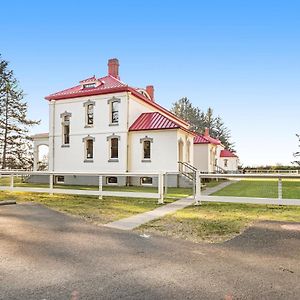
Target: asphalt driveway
{"x": 48, "y": 255}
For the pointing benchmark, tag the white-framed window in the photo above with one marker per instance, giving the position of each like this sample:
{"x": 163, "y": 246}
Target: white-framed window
{"x": 88, "y": 148}
{"x": 89, "y": 113}
{"x": 114, "y": 110}
{"x": 188, "y": 151}
{"x": 146, "y": 180}
{"x": 89, "y": 85}
{"x": 225, "y": 162}
{"x": 60, "y": 179}
{"x": 113, "y": 147}
{"x": 65, "y": 128}
{"x": 112, "y": 180}
{"x": 146, "y": 148}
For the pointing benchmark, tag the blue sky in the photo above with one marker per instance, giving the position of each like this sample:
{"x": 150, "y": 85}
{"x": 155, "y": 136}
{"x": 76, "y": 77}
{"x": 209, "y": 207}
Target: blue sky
{"x": 239, "y": 57}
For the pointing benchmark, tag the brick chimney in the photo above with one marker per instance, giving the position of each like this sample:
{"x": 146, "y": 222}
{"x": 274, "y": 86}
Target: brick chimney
{"x": 113, "y": 67}
{"x": 206, "y": 132}
{"x": 150, "y": 91}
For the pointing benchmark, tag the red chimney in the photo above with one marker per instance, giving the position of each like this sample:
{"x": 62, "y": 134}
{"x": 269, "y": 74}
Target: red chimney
{"x": 150, "y": 91}
{"x": 206, "y": 132}
{"x": 113, "y": 67}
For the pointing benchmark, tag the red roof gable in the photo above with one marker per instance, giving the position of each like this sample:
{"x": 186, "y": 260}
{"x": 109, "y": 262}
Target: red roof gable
{"x": 227, "y": 153}
{"x": 109, "y": 84}
{"x": 154, "y": 121}
{"x": 201, "y": 139}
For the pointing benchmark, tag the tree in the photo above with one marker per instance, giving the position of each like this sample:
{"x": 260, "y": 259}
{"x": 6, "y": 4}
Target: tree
{"x": 297, "y": 154}
{"x": 199, "y": 120}
{"x": 15, "y": 144}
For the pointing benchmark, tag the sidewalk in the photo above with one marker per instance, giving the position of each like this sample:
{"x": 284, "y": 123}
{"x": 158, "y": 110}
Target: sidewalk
{"x": 140, "y": 219}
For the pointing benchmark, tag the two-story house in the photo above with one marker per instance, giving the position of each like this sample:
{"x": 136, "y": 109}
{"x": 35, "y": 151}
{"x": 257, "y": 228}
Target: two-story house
{"x": 105, "y": 125}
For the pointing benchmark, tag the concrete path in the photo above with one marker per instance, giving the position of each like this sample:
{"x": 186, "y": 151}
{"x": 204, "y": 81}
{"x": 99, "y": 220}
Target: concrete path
{"x": 140, "y": 219}
{"x": 49, "y": 255}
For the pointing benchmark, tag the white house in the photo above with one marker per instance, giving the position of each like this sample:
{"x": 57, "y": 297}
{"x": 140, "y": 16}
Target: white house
{"x": 211, "y": 156}
{"x": 104, "y": 125}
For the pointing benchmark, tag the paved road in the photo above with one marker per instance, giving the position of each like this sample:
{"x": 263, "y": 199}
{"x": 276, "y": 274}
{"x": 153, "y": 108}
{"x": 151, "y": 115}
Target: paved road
{"x": 48, "y": 255}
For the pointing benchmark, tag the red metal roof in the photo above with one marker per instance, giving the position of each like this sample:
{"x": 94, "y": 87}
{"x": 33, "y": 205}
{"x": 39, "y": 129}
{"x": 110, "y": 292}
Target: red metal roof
{"x": 201, "y": 139}
{"x": 109, "y": 84}
{"x": 227, "y": 153}
{"x": 154, "y": 121}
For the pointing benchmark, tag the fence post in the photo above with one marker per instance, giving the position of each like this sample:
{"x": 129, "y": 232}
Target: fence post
{"x": 51, "y": 184}
{"x": 198, "y": 189}
{"x": 161, "y": 188}
{"x": 279, "y": 188}
{"x": 100, "y": 187}
{"x": 12, "y": 181}
{"x": 166, "y": 184}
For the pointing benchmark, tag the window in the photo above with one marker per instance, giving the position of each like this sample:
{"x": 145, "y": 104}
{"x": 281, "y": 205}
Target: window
{"x": 60, "y": 179}
{"x": 112, "y": 180}
{"x": 188, "y": 154}
{"x": 89, "y": 149}
{"x": 65, "y": 128}
{"x": 114, "y": 112}
{"x": 147, "y": 149}
{"x": 90, "y": 114}
{"x": 89, "y": 85}
{"x": 114, "y": 148}
{"x": 146, "y": 180}
{"x": 225, "y": 162}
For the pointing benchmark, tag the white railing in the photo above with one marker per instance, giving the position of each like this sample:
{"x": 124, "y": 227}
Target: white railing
{"x": 100, "y": 192}
{"x": 255, "y": 171}
{"x": 277, "y": 201}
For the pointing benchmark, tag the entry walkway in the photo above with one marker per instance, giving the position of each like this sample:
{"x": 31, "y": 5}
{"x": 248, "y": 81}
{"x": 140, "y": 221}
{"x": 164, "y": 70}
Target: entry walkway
{"x": 140, "y": 219}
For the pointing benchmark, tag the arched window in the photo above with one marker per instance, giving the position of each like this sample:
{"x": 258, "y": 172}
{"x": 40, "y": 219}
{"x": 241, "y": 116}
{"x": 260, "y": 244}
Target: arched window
{"x": 65, "y": 128}
{"x": 89, "y": 113}
{"x": 113, "y": 147}
{"x": 146, "y": 149}
{"x": 88, "y": 148}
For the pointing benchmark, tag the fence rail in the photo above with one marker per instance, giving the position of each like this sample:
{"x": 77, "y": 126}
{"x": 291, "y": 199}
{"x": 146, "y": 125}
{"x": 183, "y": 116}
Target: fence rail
{"x": 100, "y": 192}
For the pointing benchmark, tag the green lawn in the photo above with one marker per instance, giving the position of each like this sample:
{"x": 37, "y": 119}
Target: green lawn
{"x": 262, "y": 189}
{"x": 216, "y": 222}
{"x": 89, "y": 207}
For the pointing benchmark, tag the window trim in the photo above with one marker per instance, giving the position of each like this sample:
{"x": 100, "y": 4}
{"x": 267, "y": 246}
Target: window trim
{"x": 86, "y": 105}
{"x": 147, "y": 184}
{"x": 110, "y": 102}
{"x": 109, "y": 138}
{"x": 85, "y": 140}
{"x": 63, "y": 124}
{"x": 142, "y": 140}
{"x": 109, "y": 183}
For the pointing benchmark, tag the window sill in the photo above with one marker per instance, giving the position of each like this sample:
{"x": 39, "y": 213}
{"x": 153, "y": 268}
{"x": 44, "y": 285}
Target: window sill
{"x": 113, "y": 124}
{"x": 146, "y": 160}
{"x": 65, "y": 145}
{"x": 113, "y": 160}
{"x": 88, "y": 126}
{"x": 88, "y": 161}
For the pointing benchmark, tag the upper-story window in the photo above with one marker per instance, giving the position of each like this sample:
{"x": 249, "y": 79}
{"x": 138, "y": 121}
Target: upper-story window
{"x": 114, "y": 110}
{"x": 89, "y": 85}
{"x": 89, "y": 113}
{"x": 88, "y": 148}
{"x": 65, "y": 128}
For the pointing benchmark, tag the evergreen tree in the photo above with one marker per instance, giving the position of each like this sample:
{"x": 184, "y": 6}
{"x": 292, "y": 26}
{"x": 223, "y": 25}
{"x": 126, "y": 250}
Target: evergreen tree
{"x": 15, "y": 145}
{"x": 199, "y": 120}
{"x": 297, "y": 154}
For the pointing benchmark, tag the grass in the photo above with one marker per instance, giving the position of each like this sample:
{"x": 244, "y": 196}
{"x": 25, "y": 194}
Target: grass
{"x": 262, "y": 189}
{"x": 217, "y": 222}
{"x": 88, "y": 207}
